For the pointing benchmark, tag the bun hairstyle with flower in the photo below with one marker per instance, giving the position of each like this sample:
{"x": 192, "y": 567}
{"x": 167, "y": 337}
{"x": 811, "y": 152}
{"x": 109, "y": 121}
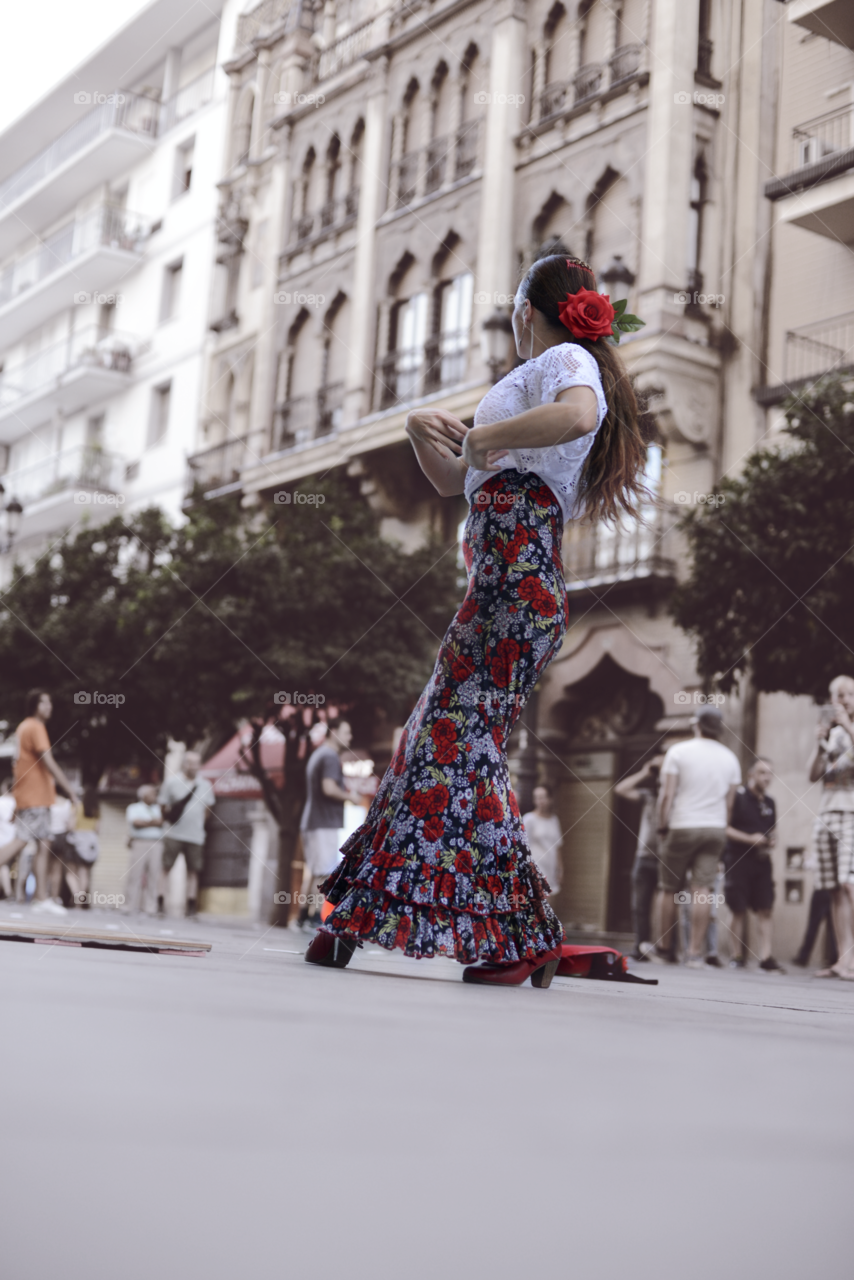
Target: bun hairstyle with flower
{"x": 564, "y": 291}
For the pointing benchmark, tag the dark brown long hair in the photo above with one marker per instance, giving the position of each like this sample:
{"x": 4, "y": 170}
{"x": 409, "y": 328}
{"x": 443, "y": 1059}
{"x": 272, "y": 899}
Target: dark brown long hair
{"x": 612, "y": 479}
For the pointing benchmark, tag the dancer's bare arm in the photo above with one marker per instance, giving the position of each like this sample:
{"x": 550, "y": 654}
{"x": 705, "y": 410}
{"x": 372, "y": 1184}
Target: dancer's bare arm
{"x": 572, "y": 414}
{"x": 437, "y": 438}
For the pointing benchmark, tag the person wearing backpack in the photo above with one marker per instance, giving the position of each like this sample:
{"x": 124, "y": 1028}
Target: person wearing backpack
{"x": 185, "y": 799}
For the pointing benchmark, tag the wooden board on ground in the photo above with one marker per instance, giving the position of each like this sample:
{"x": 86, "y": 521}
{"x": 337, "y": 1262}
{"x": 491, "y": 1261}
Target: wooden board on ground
{"x": 111, "y": 939}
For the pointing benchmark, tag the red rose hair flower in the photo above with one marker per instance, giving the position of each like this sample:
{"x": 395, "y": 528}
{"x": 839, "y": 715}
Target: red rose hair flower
{"x": 587, "y": 314}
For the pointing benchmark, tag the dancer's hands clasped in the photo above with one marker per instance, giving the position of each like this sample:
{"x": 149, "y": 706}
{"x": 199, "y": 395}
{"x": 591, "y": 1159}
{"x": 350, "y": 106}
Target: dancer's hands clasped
{"x": 443, "y": 432}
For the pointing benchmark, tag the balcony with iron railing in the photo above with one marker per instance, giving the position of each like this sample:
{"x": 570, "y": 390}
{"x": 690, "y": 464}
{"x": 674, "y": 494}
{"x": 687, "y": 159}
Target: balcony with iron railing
{"x": 816, "y": 349}
{"x": 301, "y": 419}
{"x": 119, "y": 130}
{"x": 601, "y": 558}
{"x": 346, "y": 50}
{"x": 443, "y": 162}
{"x": 818, "y": 192}
{"x": 65, "y": 487}
{"x": 332, "y": 216}
{"x": 220, "y": 465}
{"x": 83, "y": 369}
{"x": 72, "y": 266}
{"x": 407, "y": 375}
{"x": 592, "y": 81}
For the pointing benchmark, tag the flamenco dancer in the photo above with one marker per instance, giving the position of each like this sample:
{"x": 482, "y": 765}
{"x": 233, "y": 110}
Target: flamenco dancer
{"x": 441, "y": 864}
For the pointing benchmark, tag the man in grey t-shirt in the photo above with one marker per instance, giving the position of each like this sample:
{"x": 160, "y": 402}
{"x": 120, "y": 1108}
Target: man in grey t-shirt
{"x": 185, "y": 833}
{"x": 323, "y": 815}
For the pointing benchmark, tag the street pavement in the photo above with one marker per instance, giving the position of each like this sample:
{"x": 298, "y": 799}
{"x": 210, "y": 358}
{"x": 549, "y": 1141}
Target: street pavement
{"x": 244, "y": 1115}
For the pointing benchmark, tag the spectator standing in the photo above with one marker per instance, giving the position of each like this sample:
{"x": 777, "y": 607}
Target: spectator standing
{"x": 749, "y": 883}
{"x": 36, "y": 773}
{"x": 145, "y": 831}
{"x": 7, "y": 832}
{"x": 323, "y": 815}
{"x": 185, "y": 799}
{"x": 832, "y": 763}
{"x": 642, "y": 787}
{"x": 699, "y": 779}
{"x": 545, "y": 837}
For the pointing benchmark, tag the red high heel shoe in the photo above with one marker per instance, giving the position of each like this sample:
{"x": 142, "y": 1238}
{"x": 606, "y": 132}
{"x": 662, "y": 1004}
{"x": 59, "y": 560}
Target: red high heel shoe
{"x": 540, "y": 970}
{"x": 329, "y": 950}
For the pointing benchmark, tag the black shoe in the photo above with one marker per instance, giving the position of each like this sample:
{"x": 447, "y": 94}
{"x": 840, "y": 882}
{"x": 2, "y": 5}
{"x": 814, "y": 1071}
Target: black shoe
{"x": 771, "y": 966}
{"x": 330, "y": 951}
{"x": 714, "y": 961}
{"x": 161, "y": 909}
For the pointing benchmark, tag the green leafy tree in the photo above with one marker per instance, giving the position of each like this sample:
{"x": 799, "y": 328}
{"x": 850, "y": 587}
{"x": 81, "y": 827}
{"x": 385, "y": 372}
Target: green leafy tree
{"x": 771, "y": 587}
{"x": 190, "y": 631}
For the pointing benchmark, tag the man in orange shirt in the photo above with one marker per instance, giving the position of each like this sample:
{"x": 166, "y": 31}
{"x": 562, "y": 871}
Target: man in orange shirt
{"x": 36, "y": 771}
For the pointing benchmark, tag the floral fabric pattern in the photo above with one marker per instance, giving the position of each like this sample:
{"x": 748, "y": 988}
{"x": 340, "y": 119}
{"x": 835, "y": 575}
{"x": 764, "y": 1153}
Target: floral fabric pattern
{"x": 441, "y": 864}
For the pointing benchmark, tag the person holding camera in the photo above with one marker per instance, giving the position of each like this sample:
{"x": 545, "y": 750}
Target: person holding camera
{"x": 185, "y": 800}
{"x": 699, "y": 779}
{"x": 832, "y": 764}
{"x": 749, "y": 883}
{"x": 642, "y": 787}
{"x": 36, "y": 777}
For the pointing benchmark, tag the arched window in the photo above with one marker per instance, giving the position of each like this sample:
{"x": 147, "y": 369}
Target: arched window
{"x": 295, "y": 410}
{"x": 303, "y": 197}
{"x": 333, "y": 165}
{"x": 472, "y": 98}
{"x": 407, "y": 145}
{"x": 699, "y": 196}
{"x": 243, "y": 128}
{"x": 354, "y": 178}
{"x": 333, "y": 365}
{"x": 440, "y": 123}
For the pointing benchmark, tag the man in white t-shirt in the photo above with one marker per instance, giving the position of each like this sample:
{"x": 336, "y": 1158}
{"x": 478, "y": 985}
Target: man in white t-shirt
{"x": 545, "y": 837}
{"x": 699, "y": 779}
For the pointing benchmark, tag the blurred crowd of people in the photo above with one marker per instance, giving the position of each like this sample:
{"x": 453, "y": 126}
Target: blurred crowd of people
{"x": 705, "y": 839}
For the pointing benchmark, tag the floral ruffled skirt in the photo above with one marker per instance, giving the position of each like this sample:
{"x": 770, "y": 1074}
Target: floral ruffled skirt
{"x": 441, "y": 863}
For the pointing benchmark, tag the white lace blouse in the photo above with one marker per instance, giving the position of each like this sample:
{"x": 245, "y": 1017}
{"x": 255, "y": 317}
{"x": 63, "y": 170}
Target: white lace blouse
{"x": 536, "y": 382}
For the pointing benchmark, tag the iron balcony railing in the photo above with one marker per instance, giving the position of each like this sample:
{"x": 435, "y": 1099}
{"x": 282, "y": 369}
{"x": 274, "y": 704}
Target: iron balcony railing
{"x": 86, "y": 468}
{"x": 331, "y": 216}
{"x": 302, "y": 419}
{"x": 407, "y": 375}
{"x": 346, "y": 50}
{"x": 819, "y": 348}
{"x": 189, "y": 99}
{"x": 591, "y": 80}
{"x": 133, "y": 112}
{"x": 822, "y": 136}
{"x": 130, "y": 111}
{"x": 87, "y": 348}
{"x": 219, "y": 465}
{"x": 103, "y": 226}
{"x": 601, "y": 554}
{"x": 443, "y": 160}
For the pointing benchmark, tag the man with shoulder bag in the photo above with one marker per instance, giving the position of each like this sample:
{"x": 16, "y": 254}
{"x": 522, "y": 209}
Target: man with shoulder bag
{"x": 185, "y": 800}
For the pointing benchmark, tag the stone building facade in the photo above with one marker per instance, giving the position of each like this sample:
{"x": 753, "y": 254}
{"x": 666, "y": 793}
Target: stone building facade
{"x": 392, "y": 169}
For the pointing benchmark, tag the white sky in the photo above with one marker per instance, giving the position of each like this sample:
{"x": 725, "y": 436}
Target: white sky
{"x": 47, "y": 39}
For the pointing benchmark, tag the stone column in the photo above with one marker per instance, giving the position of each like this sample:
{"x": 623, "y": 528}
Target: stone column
{"x": 667, "y": 177}
{"x": 502, "y": 120}
{"x": 262, "y": 73}
{"x": 371, "y": 196}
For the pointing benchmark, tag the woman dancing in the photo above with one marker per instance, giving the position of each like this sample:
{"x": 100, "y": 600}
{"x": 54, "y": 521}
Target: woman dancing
{"x": 441, "y": 864}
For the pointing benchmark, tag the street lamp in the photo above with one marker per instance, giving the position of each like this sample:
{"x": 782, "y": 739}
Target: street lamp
{"x": 497, "y": 342}
{"x": 14, "y": 511}
{"x": 616, "y": 279}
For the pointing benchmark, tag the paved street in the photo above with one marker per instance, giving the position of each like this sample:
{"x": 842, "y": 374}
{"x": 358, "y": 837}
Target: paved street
{"x": 243, "y": 1115}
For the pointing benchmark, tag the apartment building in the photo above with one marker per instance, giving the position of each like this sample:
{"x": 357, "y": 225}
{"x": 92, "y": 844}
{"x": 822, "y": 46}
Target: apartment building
{"x": 108, "y": 208}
